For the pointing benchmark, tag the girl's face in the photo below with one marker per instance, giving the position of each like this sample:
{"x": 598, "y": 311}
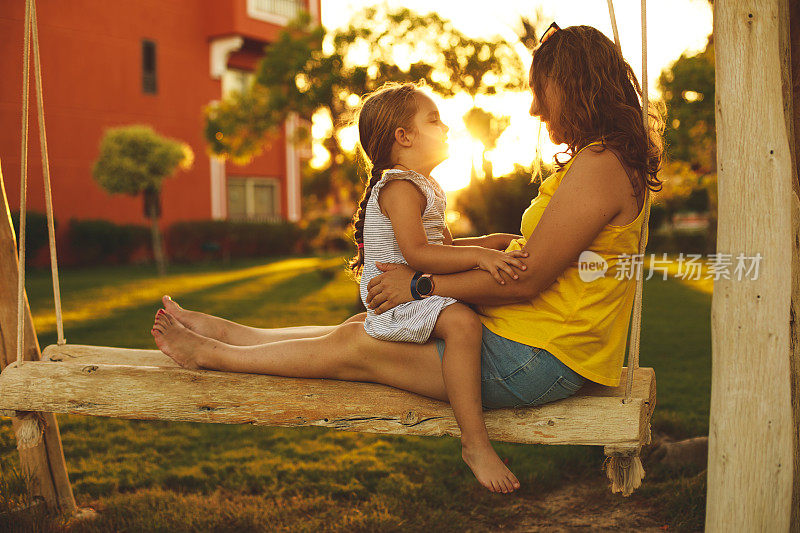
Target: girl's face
{"x": 548, "y": 111}
{"x": 430, "y": 135}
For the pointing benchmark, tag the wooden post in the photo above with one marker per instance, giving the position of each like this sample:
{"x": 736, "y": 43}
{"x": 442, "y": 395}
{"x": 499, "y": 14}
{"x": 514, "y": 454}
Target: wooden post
{"x": 754, "y": 444}
{"x": 794, "y": 47}
{"x": 44, "y": 464}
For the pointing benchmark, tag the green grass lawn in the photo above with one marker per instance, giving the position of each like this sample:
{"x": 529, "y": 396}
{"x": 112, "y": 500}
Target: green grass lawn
{"x": 158, "y": 476}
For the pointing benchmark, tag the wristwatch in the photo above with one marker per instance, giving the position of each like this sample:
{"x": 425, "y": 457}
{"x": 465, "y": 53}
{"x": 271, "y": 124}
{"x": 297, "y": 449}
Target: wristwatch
{"x": 421, "y": 285}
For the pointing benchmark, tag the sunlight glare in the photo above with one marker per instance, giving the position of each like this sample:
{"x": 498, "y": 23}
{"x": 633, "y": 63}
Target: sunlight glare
{"x": 518, "y": 142}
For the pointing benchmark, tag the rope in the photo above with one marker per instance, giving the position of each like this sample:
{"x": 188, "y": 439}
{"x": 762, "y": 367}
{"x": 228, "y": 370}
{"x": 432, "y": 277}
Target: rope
{"x": 46, "y": 170}
{"x": 31, "y": 28}
{"x": 636, "y": 326}
{"x": 614, "y": 23}
{"x": 23, "y": 180}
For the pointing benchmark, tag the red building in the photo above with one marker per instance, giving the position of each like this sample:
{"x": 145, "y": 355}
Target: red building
{"x": 107, "y": 64}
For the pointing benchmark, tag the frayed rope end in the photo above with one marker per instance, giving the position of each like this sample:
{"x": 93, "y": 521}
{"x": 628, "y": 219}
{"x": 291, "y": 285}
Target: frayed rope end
{"x": 625, "y": 473}
{"x": 31, "y": 428}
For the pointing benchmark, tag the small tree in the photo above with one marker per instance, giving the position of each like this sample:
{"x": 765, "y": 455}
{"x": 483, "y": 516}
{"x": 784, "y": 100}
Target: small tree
{"x": 298, "y": 74}
{"x": 135, "y": 159}
{"x": 487, "y": 128}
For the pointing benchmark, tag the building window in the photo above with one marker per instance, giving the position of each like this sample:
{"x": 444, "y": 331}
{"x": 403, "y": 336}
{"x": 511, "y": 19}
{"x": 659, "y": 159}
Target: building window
{"x": 253, "y": 199}
{"x": 236, "y": 80}
{"x": 149, "y": 84}
{"x": 275, "y": 11}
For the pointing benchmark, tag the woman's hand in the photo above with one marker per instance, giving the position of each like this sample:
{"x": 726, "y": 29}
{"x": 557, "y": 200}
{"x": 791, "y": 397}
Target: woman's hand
{"x": 493, "y": 261}
{"x": 391, "y": 288}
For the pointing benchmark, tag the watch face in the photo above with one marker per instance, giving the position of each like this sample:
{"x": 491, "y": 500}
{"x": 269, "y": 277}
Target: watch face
{"x": 424, "y": 285}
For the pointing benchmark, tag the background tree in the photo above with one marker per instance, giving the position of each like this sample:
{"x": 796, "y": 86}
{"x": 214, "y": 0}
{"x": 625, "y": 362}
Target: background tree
{"x": 689, "y": 173}
{"x": 531, "y": 28}
{"x": 687, "y": 87}
{"x": 486, "y": 128}
{"x": 135, "y": 159}
{"x": 307, "y": 70}
{"x": 496, "y": 205}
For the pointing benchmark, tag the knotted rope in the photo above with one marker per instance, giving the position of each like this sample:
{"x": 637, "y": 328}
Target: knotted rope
{"x": 31, "y": 30}
{"x": 624, "y": 469}
{"x": 33, "y": 423}
{"x": 636, "y": 326}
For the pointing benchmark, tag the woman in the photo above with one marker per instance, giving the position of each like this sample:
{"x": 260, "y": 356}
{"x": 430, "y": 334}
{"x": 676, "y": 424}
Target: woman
{"x": 545, "y": 332}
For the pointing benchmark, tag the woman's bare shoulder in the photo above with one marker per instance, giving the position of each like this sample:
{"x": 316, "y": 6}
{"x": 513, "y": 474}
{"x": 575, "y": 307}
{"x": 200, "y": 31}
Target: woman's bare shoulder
{"x": 607, "y": 168}
{"x": 601, "y": 159}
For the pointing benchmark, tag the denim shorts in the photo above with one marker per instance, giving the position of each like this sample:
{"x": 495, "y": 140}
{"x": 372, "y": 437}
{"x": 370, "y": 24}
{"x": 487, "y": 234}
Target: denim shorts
{"x": 517, "y": 375}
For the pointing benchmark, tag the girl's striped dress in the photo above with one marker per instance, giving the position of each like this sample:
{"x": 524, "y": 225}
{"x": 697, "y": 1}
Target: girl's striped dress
{"x": 411, "y": 321}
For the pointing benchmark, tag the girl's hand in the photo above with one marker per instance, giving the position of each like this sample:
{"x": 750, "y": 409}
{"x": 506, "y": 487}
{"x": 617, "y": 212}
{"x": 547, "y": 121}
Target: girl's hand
{"x": 498, "y": 241}
{"x": 391, "y": 288}
{"x": 505, "y": 240}
{"x": 493, "y": 261}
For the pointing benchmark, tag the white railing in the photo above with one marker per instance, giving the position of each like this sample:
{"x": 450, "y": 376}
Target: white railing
{"x": 264, "y": 219}
{"x": 276, "y": 11}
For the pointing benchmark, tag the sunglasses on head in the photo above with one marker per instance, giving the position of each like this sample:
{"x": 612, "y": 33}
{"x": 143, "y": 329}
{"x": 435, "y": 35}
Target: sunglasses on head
{"x": 551, "y": 29}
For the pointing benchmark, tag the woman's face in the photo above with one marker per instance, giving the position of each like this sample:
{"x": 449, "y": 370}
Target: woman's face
{"x": 548, "y": 110}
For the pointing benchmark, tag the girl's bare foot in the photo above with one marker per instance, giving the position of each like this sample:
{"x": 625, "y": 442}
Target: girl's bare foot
{"x": 489, "y": 468}
{"x": 184, "y": 346}
{"x": 201, "y": 323}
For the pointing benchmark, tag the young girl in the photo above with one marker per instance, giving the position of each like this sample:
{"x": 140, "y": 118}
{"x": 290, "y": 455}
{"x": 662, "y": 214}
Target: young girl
{"x": 400, "y": 219}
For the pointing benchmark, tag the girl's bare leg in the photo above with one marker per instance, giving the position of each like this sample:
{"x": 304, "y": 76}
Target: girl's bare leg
{"x": 461, "y": 330}
{"x": 346, "y": 353}
{"x": 236, "y": 334}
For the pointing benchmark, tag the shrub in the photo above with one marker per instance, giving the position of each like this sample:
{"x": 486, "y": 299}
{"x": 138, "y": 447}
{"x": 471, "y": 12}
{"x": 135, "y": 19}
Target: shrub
{"x": 675, "y": 241}
{"x": 496, "y": 204}
{"x": 204, "y": 239}
{"x": 329, "y": 233}
{"x": 103, "y": 242}
{"x": 96, "y": 242}
{"x": 658, "y": 216}
{"x": 35, "y": 232}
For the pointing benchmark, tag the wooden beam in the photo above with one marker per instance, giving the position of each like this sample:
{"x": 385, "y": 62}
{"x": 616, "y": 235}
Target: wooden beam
{"x": 44, "y": 462}
{"x": 794, "y": 112}
{"x": 594, "y": 416}
{"x": 753, "y": 438}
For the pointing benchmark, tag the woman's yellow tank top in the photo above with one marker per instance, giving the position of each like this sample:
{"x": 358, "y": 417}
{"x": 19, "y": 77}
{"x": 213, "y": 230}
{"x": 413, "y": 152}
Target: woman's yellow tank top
{"x": 583, "y": 323}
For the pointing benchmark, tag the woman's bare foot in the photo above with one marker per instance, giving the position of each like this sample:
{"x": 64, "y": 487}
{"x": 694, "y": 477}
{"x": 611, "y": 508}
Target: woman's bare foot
{"x": 489, "y": 468}
{"x": 201, "y": 323}
{"x": 184, "y": 346}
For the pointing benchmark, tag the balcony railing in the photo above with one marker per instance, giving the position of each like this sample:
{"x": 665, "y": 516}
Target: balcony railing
{"x": 262, "y": 219}
{"x": 276, "y": 11}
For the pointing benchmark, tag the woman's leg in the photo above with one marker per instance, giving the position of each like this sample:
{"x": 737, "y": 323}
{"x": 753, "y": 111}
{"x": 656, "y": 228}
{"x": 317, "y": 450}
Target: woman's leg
{"x": 462, "y": 331}
{"x": 346, "y": 353}
{"x": 236, "y": 334}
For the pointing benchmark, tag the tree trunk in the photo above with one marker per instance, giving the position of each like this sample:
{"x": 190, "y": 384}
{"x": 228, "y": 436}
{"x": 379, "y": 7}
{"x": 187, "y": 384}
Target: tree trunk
{"x": 158, "y": 250}
{"x": 488, "y": 172}
{"x": 680, "y": 453}
{"x": 153, "y": 211}
{"x": 754, "y": 435}
{"x": 43, "y": 465}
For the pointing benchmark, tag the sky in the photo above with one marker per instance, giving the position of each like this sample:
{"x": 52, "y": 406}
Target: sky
{"x": 673, "y": 27}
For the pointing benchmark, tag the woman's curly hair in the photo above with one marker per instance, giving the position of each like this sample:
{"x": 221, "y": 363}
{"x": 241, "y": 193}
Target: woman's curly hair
{"x": 600, "y": 100}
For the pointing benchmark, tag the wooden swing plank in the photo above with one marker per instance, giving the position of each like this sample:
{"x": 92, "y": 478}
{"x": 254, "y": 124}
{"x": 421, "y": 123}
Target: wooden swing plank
{"x": 100, "y": 381}
{"x": 84, "y": 353}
